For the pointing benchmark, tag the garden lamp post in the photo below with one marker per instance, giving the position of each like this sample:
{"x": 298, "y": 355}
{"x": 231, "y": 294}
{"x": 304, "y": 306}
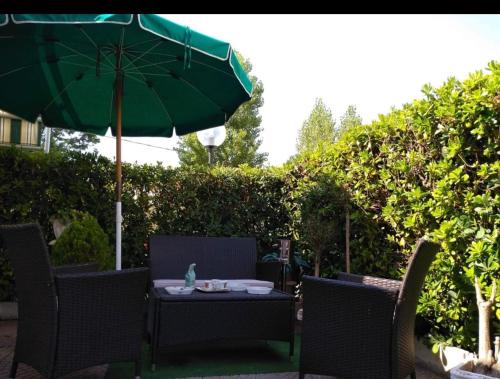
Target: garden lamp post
{"x": 211, "y": 138}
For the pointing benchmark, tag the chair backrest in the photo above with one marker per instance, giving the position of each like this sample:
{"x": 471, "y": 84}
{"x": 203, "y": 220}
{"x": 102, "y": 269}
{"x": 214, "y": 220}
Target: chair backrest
{"x": 404, "y": 316}
{"x": 215, "y": 257}
{"x": 37, "y": 304}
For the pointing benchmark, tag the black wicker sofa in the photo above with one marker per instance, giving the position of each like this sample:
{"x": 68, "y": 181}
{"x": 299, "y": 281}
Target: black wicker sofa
{"x": 215, "y": 257}
{"x": 187, "y": 320}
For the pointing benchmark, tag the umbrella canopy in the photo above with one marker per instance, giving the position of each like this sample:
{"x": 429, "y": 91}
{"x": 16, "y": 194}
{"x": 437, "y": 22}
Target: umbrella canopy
{"x": 141, "y": 75}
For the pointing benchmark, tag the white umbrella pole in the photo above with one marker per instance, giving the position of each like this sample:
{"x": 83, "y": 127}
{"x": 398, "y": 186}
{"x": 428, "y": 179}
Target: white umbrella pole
{"x": 118, "y": 235}
{"x": 119, "y": 93}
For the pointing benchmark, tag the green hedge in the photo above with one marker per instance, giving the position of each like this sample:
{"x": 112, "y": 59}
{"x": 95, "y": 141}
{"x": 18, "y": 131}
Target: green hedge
{"x": 218, "y": 202}
{"x": 430, "y": 168}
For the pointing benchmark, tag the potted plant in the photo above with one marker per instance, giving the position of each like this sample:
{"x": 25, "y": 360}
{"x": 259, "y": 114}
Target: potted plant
{"x": 295, "y": 268}
{"x": 487, "y": 363}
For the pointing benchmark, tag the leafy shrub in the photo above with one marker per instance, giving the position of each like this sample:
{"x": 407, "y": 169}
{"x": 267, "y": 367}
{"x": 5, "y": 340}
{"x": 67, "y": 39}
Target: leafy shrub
{"x": 83, "y": 241}
{"x": 430, "y": 168}
{"x": 322, "y": 208}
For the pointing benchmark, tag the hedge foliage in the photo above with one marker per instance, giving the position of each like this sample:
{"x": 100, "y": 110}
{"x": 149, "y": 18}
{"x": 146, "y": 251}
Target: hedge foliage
{"x": 217, "y": 202}
{"x": 431, "y": 168}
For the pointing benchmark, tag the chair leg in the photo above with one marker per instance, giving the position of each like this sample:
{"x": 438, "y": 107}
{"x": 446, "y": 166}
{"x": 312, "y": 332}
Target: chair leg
{"x": 301, "y": 375}
{"x": 137, "y": 371}
{"x": 13, "y": 370}
{"x": 413, "y": 375}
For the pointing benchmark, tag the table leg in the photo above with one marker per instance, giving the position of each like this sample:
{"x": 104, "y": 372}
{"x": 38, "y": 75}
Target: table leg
{"x": 154, "y": 337}
{"x": 292, "y": 328}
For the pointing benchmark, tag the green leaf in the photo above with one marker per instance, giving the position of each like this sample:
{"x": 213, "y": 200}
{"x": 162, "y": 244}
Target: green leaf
{"x": 435, "y": 348}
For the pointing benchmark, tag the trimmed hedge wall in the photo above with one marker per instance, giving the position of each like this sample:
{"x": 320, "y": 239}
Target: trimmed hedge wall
{"x": 218, "y": 202}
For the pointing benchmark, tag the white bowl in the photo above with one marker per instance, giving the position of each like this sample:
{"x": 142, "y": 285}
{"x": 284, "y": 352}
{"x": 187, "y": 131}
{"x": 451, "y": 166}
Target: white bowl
{"x": 259, "y": 290}
{"x": 179, "y": 290}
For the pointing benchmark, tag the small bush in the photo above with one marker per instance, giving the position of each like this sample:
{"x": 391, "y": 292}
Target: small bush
{"x": 83, "y": 241}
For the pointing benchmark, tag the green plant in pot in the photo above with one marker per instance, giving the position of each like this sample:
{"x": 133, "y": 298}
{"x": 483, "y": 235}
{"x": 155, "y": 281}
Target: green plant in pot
{"x": 82, "y": 241}
{"x": 296, "y": 266}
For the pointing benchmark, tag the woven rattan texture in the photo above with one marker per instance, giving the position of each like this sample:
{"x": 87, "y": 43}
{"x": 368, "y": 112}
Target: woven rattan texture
{"x": 361, "y": 326}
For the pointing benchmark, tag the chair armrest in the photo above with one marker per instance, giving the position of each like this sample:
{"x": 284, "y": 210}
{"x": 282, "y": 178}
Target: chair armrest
{"x": 105, "y": 311}
{"x": 345, "y": 322}
{"x": 268, "y": 271}
{"x": 76, "y": 269}
{"x": 369, "y": 280}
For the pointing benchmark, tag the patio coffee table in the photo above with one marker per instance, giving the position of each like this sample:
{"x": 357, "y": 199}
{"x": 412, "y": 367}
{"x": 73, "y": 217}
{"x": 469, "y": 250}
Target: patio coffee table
{"x": 202, "y": 317}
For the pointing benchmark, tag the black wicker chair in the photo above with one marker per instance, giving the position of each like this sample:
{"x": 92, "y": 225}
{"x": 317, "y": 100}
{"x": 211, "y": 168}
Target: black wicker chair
{"x": 361, "y": 326}
{"x": 70, "y": 319}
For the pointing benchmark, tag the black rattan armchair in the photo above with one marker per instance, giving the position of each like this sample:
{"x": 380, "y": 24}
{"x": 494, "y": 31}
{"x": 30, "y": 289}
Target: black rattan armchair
{"x": 70, "y": 319}
{"x": 361, "y": 326}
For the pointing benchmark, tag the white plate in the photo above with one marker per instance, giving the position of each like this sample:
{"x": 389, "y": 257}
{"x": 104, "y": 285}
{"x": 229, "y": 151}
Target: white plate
{"x": 238, "y": 288}
{"x": 259, "y": 290}
{"x": 203, "y": 289}
{"x": 179, "y": 290}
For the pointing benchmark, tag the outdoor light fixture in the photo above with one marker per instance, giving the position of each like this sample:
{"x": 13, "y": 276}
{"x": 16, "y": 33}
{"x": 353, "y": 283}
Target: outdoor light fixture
{"x": 211, "y": 138}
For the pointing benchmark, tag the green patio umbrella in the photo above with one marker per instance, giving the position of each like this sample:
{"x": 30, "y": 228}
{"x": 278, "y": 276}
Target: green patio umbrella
{"x": 141, "y": 75}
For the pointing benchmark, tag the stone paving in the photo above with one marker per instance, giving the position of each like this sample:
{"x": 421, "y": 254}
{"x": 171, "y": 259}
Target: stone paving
{"x": 8, "y": 339}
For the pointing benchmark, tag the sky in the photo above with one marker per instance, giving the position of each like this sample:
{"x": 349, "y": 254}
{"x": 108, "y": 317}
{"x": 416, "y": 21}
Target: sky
{"x": 374, "y": 62}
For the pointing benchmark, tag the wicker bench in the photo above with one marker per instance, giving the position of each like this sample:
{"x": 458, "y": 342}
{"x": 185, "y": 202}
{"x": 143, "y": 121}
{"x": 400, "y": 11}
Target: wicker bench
{"x": 184, "y": 320}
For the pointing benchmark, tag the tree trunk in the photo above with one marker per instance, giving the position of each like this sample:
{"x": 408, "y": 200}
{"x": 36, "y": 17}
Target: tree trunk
{"x": 347, "y": 237}
{"x": 484, "y": 308}
{"x": 317, "y": 260}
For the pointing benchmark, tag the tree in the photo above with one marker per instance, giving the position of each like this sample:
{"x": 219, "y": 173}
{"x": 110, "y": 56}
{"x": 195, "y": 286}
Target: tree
{"x": 486, "y": 360}
{"x": 318, "y": 130}
{"x": 322, "y": 209}
{"x": 348, "y": 120}
{"x": 65, "y": 139}
{"x": 242, "y": 134}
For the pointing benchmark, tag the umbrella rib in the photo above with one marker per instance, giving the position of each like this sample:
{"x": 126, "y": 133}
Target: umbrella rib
{"x": 121, "y": 55}
{"x": 143, "y": 81}
{"x": 196, "y": 89}
{"x": 55, "y": 60}
{"x": 154, "y": 64}
{"x": 167, "y": 71}
{"x": 211, "y": 67}
{"x": 155, "y": 53}
{"x": 192, "y": 61}
{"x": 84, "y": 65}
{"x": 16, "y": 70}
{"x": 149, "y": 74}
{"x": 143, "y": 42}
{"x": 95, "y": 45}
{"x": 111, "y": 107}
{"x": 59, "y": 94}
{"x": 143, "y": 54}
{"x": 77, "y": 52}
